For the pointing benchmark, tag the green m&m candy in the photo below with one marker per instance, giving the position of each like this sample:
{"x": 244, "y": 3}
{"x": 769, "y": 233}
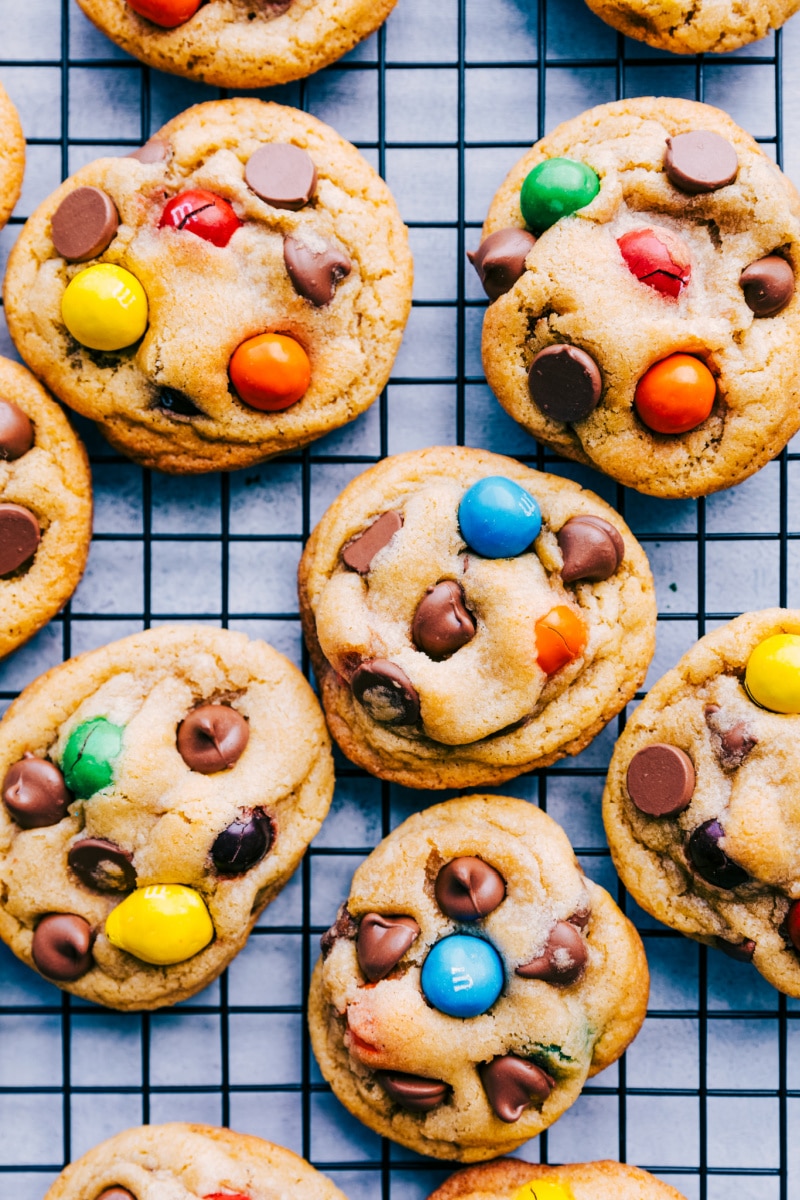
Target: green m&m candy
{"x": 91, "y": 752}
{"x": 554, "y": 189}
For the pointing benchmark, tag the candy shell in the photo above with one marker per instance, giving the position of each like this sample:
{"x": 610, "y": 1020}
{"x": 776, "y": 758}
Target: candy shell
{"x": 772, "y": 678}
{"x": 163, "y": 924}
{"x": 498, "y": 518}
{"x": 105, "y": 307}
{"x": 554, "y": 189}
{"x": 462, "y": 976}
{"x": 270, "y": 372}
{"x": 89, "y": 756}
{"x": 543, "y": 1189}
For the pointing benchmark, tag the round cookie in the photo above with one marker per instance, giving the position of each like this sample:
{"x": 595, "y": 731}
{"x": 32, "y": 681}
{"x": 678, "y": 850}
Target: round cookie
{"x": 510, "y": 1180}
{"x": 45, "y": 507}
{"x": 470, "y": 619}
{"x": 700, "y": 805}
{"x": 695, "y": 26}
{"x": 453, "y": 886}
{"x": 157, "y": 794}
{"x": 12, "y": 156}
{"x": 235, "y": 289}
{"x": 668, "y": 360}
{"x": 235, "y": 43}
{"x": 184, "y": 1162}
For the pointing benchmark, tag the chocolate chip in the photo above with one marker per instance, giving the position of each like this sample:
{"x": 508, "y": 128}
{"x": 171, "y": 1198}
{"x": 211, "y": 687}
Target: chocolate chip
{"x": 700, "y": 161}
{"x": 177, "y": 404}
{"x": 16, "y": 432}
{"x": 386, "y": 692}
{"x": 382, "y": 942}
{"x": 592, "y": 549}
{"x": 359, "y": 553}
{"x": 102, "y": 865}
{"x": 565, "y": 383}
{"x": 315, "y": 273}
{"x": 442, "y": 623}
{"x": 19, "y": 536}
{"x": 500, "y": 259}
{"x": 212, "y": 738}
{"x": 661, "y": 780}
{"x": 710, "y": 860}
{"x": 468, "y": 888}
{"x": 740, "y": 951}
{"x": 154, "y": 150}
{"x": 343, "y": 927}
{"x": 768, "y": 285}
{"x": 243, "y": 844}
{"x": 412, "y": 1092}
{"x": 35, "y": 794}
{"x": 84, "y": 224}
{"x": 62, "y": 947}
{"x": 580, "y": 918}
{"x": 733, "y": 743}
{"x": 563, "y": 958}
{"x": 512, "y": 1084}
{"x": 282, "y": 174}
{"x": 116, "y": 1193}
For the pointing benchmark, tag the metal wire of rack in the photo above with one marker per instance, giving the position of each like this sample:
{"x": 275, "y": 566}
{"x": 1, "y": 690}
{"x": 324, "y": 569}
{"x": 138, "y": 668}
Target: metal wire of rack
{"x": 706, "y": 1095}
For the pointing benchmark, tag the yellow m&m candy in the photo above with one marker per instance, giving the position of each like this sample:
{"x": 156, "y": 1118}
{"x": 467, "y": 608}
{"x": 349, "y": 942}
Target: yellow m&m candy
{"x": 543, "y": 1189}
{"x": 163, "y": 924}
{"x": 105, "y": 307}
{"x": 772, "y": 677}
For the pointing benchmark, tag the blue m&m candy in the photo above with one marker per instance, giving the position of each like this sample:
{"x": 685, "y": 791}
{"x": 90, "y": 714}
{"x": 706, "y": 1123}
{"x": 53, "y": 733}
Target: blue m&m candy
{"x": 462, "y": 976}
{"x": 498, "y": 518}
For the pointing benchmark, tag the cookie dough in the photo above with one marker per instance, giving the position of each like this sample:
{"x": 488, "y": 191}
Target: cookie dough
{"x": 12, "y": 156}
{"x": 464, "y": 630}
{"x": 156, "y": 795}
{"x": 190, "y": 1162}
{"x": 509, "y": 1180}
{"x": 700, "y": 805}
{"x": 453, "y": 886}
{"x": 695, "y": 26}
{"x": 234, "y": 290}
{"x": 667, "y": 359}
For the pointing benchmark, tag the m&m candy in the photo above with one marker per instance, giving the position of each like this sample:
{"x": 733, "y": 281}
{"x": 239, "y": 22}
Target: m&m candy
{"x": 772, "y": 677}
{"x": 270, "y": 372}
{"x": 105, "y": 307}
{"x": 793, "y": 924}
{"x": 166, "y": 13}
{"x": 90, "y": 755}
{"x": 544, "y": 1189}
{"x": 676, "y": 394}
{"x": 560, "y": 637}
{"x": 202, "y": 213}
{"x": 554, "y": 189}
{"x": 462, "y": 976}
{"x": 498, "y": 518}
{"x": 163, "y": 924}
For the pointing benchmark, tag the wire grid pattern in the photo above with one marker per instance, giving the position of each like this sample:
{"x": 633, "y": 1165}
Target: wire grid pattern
{"x": 442, "y": 101}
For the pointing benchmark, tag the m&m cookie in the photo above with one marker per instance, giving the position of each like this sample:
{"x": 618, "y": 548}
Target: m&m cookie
{"x": 510, "y": 1180}
{"x": 12, "y": 156}
{"x": 696, "y": 27}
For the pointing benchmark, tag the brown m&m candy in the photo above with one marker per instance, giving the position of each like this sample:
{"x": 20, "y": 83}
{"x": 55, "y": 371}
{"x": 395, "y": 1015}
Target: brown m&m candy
{"x": 281, "y": 174}
{"x": 500, "y": 259}
{"x": 243, "y": 844}
{"x": 16, "y": 432}
{"x": 382, "y": 942}
{"x": 442, "y": 624}
{"x": 35, "y": 794}
{"x": 565, "y": 383}
{"x": 84, "y": 224}
{"x": 468, "y": 888}
{"x": 102, "y": 865}
{"x": 592, "y": 549}
{"x": 359, "y": 553}
{"x": 563, "y": 958}
{"x": 62, "y": 947}
{"x": 386, "y": 693}
{"x": 700, "y": 161}
{"x": 212, "y": 738}
{"x": 315, "y": 271}
{"x": 512, "y": 1084}
{"x": 768, "y": 285}
{"x": 19, "y": 536}
{"x": 412, "y": 1092}
{"x": 661, "y": 780}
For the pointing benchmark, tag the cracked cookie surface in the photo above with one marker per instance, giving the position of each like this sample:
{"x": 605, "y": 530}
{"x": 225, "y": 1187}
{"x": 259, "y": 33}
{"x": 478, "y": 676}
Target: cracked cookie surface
{"x": 504, "y": 1180}
{"x": 12, "y": 156}
{"x": 695, "y": 26}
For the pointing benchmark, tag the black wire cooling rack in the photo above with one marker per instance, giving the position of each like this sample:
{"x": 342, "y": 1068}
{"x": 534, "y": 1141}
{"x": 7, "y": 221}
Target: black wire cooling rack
{"x": 705, "y": 1096}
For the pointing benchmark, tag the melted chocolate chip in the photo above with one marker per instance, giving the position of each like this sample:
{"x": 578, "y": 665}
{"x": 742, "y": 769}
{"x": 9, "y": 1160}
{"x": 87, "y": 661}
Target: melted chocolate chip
{"x": 661, "y": 780}
{"x": 565, "y": 383}
{"x": 500, "y": 259}
{"x": 563, "y": 958}
{"x": 592, "y": 549}
{"x": 386, "y": 693}
{"x": 177, "y": 404}
{"x": 740, "y": 951}
{"x": 343, "y": 927}
{"x": 16, "y": 432}
{"x": 35, "y": 794}
{"x": 19, "y": 537}
{"x": 710, "y": 860}
{"x": 768, "y": 285}
{"x": 468, "y": 888}
{"x": 700, "y": 161}
{"x": 243, "y": 844}
{"x": 442, "y": 623}
{"x": 281, "y": 174}
{"x": 382, "y": 942}
{"x": 732, "y": 742}
{"x": 512, "y": 1084}
{"x": 359, "y": 553}
{"x": 212, "y": 738}
{"x": 62, "y": 947}
{"x": 412, "y": 1092}
{"x": 315, "y": 273}
{"x": 102, "y": 865}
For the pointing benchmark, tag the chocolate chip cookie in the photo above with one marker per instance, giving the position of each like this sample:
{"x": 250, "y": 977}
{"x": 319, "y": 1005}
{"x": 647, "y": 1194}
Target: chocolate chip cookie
{"x": 470, "y": 619}
{"x": 156, "y": 795}
{"x": 695, "y": 26}
{"x": 473, "y": 980}
{"x": 187, "y": 1162}
{"x": 12, "y": 156}
{"x": 668, "y": 359}
{"x": 234, "y": 289}
{"x": 700, "y": 805}
{"x": 509, "y": 1180}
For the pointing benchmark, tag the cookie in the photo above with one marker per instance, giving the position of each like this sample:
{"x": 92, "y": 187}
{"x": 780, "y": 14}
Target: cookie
{"x": 667, "y": 359}
{"x": 157, "y": 794}
{"x": 184, "y": 1162}
{"x": 701, "y": 806}
{"x": 235, "y": 289}
{"x": 509, "y": 1180}
{"x": 473, "y": 980}
{"x": 695, "y": 26}
{"x": 470, "y": 619}
{"x": 45, "y": 507}
{"x": 12, "y": 156}
{"x": 236, "y": 44}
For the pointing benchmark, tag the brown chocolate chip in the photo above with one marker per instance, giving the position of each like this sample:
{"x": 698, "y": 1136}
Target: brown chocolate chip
{"x": 153, "y": 151}
{"x": 512, "y": 1084}
{"x": 16, "y": 432}
{"x": 102, "y": 865}
{"x": 468, "y": 888}
{"x": 386, "y": 692}
{"x": 35, "y": 794}
{"x": 740, "y": 951}
{"x": 768, "y": 285}
{"x": 592, "y": 549}
{"x": 19, "y": 536}
{"x": 282, "y": 174}
{"x": 563, "y": 958}
{"x": 565, "y": 383}
{"x": 116, "y": 1193}
{"x": 212, "y": 738}
{"x": 733, "y": 743}
{"x": 359, "y": 553}
{"x": 442, "y": 623}
{"x": 412, "y": 1092}
{"x": 580, "y": 918}
{"x": 700, "y": 161}
{"x": 500, "y": 259}
{"x": 84, "y": 223}
{"x": 243, "y": 843}
{"x": 62, "y": 947}
{"x": 710, "y": 860}
{"x": 382, "y": 942}
{"x": 315, "y": 273}
{"x": 661, "y": 780}
{"x": 343, "y": 927}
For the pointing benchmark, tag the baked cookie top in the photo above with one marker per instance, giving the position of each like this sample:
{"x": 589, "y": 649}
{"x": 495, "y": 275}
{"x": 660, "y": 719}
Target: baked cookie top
{"x": 473, "y": 979}
{"x": 190, "y": 1162}
{"x": 648, "y": 324}
{"x": 695, "y": 26}
{"x": 157, "y": 794}
{"x": 235, "y": 289}
{"x": 45, "y": 507}
{"x": 12, "y": 156}
{"x": 236, "y": 43}
{"x": 701, "y": 806}
{"x": 470, "y": 618}
{"x": 509, "y": 1180}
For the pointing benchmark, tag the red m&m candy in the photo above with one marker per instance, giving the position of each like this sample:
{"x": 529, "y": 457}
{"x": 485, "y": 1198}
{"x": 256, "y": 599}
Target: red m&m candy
{"x": 676, "y": 394}
{"x": 166, "y": 13}
{"x": 270, "y": 372}
{"x": 202, "y": 213}
{"x": 657, "y": 257}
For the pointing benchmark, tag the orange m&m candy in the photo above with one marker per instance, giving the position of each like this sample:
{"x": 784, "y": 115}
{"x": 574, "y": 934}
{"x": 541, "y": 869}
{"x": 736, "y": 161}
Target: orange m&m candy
{"x": 270, "y": 371}
{"x": 560, "y": 637}
{"x": 166, "y": 13}
{"x": 676, "y": 394}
